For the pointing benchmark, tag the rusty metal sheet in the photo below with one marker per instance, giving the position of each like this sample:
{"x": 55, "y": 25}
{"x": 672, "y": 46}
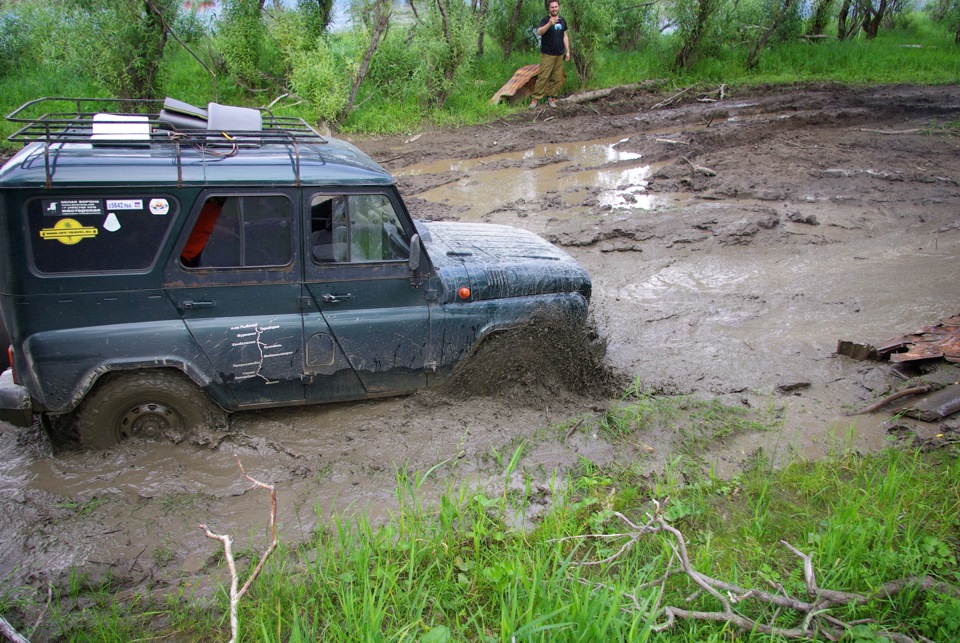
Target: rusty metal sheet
{"x": 513, "y": 87}
{"x": 940, "y": 340}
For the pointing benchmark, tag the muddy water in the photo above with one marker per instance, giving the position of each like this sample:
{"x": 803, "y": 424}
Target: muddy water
{"x": 619, "y": 178}
{"x": 690, "y": 300}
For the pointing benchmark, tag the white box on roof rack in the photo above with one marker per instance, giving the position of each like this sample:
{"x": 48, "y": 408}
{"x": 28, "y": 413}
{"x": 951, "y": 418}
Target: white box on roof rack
{"x": 116, "y": 127}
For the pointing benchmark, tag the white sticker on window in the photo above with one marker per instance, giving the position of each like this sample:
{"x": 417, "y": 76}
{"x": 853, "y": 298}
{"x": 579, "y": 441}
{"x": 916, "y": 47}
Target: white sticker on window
{"x": 112, "y": 224}
{"x": 159, "y": 206}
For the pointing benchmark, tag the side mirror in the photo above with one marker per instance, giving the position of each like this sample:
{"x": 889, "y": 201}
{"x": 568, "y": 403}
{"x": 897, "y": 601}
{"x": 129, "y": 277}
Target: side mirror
{"x": 414, "y": 261}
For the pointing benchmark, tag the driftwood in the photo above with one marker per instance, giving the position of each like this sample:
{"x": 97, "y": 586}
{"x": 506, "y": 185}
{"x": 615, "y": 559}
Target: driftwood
{"x": 699, "y": 169}
{"x": 926, "y": 388}
{"x": 673, "y": 99}
{"x": 890, "y": 132}
{"x": 10, "y": 633}
{"x": 227, "y": 541}
{"x": 813, "y": 621}
{"x": 586, "y": 97}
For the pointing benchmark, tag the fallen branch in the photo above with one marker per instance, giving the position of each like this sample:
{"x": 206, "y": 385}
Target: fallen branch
{"x": 586, "y": 97}
{"x": 667, "y": 141}
{"x": 699, "y": 169}
{"x": 10, "y": 633}
{"x": 235, "y": 594}
{"x": 891, "y": 131}
{"x": 926, "y": 388}
{"x": 671, "y": 100}
{"x": 813, "y": 619}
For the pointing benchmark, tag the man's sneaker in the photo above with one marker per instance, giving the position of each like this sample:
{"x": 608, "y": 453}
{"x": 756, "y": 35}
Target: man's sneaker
{"x": 551, "y": 102}
{"x": 533, "y": 104}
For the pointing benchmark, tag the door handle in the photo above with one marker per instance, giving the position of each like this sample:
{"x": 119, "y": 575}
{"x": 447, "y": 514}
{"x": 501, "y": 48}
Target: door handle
{"x": 335, "y": 299}
{"x": 189, "y": 304}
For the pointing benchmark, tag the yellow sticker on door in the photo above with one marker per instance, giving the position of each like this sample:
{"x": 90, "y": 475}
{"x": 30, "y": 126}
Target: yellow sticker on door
{"x": 68, "y": 232}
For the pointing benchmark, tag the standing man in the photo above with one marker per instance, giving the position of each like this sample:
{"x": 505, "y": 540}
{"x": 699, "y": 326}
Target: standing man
{"x": 554, "y": 49}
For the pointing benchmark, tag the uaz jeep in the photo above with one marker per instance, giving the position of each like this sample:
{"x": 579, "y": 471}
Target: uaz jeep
{"x": 159, "y": 269}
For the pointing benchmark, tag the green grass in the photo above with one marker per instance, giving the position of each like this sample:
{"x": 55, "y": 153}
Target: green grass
{"x": 451, "y": 569}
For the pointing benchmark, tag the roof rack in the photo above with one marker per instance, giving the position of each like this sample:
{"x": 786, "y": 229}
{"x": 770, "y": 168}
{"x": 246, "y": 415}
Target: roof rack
{"x": 120, "y": 122}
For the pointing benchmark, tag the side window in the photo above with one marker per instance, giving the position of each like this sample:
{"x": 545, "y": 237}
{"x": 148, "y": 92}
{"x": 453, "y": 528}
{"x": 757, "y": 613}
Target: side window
{"x": 241, "y": 231}
{"x": 356, "y": 228}
{"x": 117, "y": 233}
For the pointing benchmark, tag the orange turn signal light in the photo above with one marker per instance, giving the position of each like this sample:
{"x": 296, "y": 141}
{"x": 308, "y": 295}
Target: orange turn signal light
{"x": 464, "y": 292}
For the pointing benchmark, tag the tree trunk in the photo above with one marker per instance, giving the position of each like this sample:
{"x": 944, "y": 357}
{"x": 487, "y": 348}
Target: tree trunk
{"x": 381, "y": 20}
{"x": 872, "y": 17}
{"x": 686, "y": 54}
{"x": 754, "y": 56}
{"x": 142, "y": 70}
{"x": 842, "y": 15}
{"x": 512, "y": 30}
{"x": 450, "y": 66}
{"x": 484, "y": 5}
{"x": 821, "y": 13}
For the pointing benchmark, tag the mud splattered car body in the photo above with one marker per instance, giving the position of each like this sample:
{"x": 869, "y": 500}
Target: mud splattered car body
{"x": 265, "y": 265}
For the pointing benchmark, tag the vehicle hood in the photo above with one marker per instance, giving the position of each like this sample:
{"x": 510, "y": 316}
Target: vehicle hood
{"x": 497, "y": 261}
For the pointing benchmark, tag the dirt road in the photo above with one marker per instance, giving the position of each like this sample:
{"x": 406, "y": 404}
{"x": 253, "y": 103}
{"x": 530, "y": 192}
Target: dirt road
{"x": 731, "y": 244}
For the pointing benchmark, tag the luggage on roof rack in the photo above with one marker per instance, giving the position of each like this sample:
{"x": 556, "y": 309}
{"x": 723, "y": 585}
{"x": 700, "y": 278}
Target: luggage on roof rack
{"x": 170, "y": 121}
{"x": 59, "y": 122}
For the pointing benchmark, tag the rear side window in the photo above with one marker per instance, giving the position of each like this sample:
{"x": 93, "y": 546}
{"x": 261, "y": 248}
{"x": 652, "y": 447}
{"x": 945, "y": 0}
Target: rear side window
{"x": 241, "y": 231}
{"x": 109, "y": 234}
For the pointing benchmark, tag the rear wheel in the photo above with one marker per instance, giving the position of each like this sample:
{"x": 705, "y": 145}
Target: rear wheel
{"x": 155, "y": 405}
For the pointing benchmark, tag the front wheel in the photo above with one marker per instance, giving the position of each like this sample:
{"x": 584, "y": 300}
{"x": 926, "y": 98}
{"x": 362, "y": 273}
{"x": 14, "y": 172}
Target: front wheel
{"x": 154, "y": 405}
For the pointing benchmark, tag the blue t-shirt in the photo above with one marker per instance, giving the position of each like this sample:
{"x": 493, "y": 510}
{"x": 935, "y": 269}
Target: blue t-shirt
{"x": 551, "y": 42}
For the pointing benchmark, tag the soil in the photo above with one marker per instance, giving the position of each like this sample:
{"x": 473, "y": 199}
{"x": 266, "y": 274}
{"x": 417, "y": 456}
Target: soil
{"x": 732, "y": 242}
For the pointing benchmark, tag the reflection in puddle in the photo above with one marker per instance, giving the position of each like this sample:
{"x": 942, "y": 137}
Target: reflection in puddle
{"x": 496, "y": 181}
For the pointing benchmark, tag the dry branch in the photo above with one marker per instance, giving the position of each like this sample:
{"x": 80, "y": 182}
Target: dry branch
{"x": 10, "y": 633}
{"x": 227, "y": 541}
{"x": 586, "y": 97}
{"x": 699, "y": 169}
{"x": 926, "y": 388}
{"x": 673, "y": 99}
{"x": 891, "y": 132}
{"x": 812, "y": 619}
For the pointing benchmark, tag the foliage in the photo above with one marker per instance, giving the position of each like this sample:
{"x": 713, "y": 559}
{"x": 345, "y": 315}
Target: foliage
{"x": 499, "y": 18}
{"x": 445, "y": 46}
{"x": 632, "y": 24}
{"x": 319, "y": 75}
{"x": 245, "y": 42}
{"x": 317, "y": 15}
{"x": 590, "y": 33}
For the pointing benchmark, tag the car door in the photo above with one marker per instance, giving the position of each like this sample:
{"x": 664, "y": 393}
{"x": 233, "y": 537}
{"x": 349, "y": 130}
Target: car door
{"x": 358, "y": 276}
{"x": 235, "y": 280}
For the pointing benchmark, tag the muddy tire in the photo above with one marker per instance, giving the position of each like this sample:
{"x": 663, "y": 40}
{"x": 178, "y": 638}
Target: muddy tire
{"x": 155, "y": 405}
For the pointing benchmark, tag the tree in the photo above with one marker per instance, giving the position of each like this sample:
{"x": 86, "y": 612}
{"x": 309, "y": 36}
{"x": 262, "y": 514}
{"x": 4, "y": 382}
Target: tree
{"x": 130, "y": 38}
{"x": 694, "y": 20}
{"x": 872, "y": 14}
{"x": 785, "y": 7}
{"x": 820, "y": 17}
{"x": 380, "y": 21}
{"x": 589, "y": 23}
{"x": 242, "y": 34}
{"x": 512, "y": 31}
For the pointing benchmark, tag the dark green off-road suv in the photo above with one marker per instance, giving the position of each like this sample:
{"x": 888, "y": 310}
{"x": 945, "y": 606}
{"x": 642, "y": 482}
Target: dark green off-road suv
{"x": 159, "y": 269}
